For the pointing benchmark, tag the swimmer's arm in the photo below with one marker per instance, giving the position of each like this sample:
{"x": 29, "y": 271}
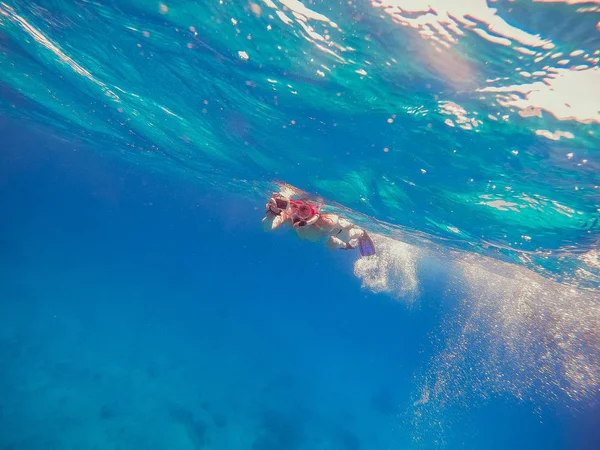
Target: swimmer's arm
{"x": 272, "y": 221}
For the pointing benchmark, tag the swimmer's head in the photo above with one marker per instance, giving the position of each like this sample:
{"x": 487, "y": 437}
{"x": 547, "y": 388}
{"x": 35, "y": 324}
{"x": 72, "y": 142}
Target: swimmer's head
{"x": 305, "y": 212}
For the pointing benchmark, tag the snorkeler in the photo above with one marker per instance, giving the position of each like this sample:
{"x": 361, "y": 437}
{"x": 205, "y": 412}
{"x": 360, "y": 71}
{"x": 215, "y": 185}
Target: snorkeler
{"x": 312, "y": 225}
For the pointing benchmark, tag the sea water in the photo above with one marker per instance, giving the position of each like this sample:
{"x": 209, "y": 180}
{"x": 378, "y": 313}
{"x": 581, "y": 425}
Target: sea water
{"x": 143, "y": 307}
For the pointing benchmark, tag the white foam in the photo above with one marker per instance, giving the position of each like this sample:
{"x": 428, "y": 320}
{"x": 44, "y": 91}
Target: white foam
{"x": 393, "y": 270}
{"x": 516, "y": 334}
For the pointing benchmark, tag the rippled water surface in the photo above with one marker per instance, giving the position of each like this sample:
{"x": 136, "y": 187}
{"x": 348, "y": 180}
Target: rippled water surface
{"x": 464, "y": 134}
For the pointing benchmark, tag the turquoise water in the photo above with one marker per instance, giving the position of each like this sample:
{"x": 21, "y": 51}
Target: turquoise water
{"x": 462, "y": 135}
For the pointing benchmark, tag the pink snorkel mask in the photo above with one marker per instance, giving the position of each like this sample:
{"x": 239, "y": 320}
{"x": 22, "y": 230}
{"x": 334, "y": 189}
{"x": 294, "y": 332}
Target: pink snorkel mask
{"x": 303, "y": 213}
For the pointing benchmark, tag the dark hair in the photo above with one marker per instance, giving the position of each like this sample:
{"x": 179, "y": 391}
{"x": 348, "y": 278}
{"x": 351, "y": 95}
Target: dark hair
{"x": 297, "y": 222}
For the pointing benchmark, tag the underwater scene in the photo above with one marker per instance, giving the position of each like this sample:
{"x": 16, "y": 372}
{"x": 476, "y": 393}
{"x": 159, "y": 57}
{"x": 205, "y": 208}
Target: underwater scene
{"x": 299, "y": 224}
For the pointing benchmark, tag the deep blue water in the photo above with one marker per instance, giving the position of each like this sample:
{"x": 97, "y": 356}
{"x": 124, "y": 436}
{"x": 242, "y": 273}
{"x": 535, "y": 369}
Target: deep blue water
{"x": 138, "y": 314}
{"x": 143, "y": 307}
